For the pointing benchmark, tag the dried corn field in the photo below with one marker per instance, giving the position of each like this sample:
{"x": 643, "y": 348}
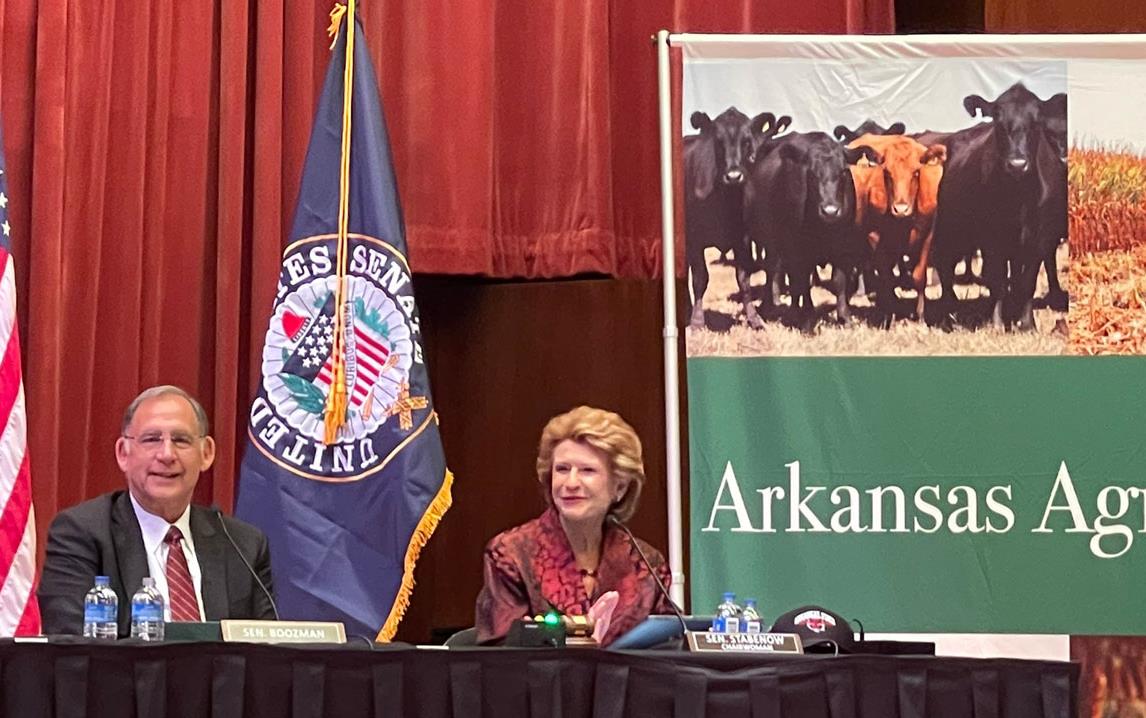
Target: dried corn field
{"x": 1113, "y": 669}
{"x": 1108, "y": 247}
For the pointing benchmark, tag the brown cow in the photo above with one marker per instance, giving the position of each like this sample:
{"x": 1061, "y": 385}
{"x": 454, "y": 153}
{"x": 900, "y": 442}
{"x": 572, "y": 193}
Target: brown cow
{"x": 895, "y": 209}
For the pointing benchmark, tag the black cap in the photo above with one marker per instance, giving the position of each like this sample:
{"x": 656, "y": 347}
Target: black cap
{"x": 818, "y": 628}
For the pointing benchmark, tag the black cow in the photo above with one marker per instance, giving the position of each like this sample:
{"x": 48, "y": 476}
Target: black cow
{"x": 799, "y": 205}
{"x": 1053, "y": 200}
{"x": 1053, "y": 113}
{"x": 988, "y": 179}
{"x": 867, "y": 127}
{"x": 716, "y": 162}
{"x": 1045, "y": 215}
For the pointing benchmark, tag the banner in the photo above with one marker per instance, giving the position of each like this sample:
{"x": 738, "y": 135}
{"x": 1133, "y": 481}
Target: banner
{"x": 344, "y": 468}
{"x": 914, "y": 372}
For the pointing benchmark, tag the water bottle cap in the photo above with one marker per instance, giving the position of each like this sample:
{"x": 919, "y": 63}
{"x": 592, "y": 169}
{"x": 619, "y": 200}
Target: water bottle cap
{"x": 102, "y": 580}
{"x": 750, "y": 602}
{"x": 729, "y": 596}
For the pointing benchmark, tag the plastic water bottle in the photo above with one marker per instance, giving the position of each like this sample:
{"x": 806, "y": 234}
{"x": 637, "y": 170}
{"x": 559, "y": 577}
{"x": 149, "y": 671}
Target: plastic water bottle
{"x": 739, "y": 623}
{"x": 727, "y": 619}
{"x": 750, "y": 618}
{"x": 101, "y": 611}
{"x": 147, "y": 612}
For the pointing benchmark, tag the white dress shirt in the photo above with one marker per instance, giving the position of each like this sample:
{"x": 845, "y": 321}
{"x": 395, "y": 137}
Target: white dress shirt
{"x": 154, "y": 530}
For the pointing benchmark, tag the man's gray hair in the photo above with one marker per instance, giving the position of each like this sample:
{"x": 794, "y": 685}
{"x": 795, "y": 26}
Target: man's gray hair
{"x": 167, "y": 390}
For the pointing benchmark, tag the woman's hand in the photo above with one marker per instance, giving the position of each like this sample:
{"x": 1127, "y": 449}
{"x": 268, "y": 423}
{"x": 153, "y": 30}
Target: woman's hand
{"x": 601, "y": 614}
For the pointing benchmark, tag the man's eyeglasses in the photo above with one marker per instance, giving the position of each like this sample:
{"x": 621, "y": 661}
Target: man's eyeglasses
{"x": 153, "y": 442}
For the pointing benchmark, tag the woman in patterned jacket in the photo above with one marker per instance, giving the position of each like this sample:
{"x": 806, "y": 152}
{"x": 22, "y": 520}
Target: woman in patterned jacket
{"x": 572, "y": 558}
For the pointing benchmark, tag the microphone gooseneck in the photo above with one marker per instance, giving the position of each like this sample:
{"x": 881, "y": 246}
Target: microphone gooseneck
{"x": 656, "y": 579}
{"x": 223, "y": 525}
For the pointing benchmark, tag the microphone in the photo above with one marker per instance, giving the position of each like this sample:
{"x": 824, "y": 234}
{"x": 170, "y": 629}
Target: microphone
{"x": 612, "y": 519}
{"x": 223, "y": 525}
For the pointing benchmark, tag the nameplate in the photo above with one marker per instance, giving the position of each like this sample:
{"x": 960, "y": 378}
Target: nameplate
{"x": 705, "y": 641}
{"x": 283, "y": 631}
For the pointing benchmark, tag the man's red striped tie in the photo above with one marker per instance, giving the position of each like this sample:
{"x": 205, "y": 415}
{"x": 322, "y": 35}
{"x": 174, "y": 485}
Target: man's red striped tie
{"x": 180, "y": 587}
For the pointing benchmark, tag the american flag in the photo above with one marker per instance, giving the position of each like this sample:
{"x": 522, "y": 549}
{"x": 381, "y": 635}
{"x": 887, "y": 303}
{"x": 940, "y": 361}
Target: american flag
{"x": 369, "y": 353}
{"x": 19, "y": 612}
{"x": 313, "y": 360}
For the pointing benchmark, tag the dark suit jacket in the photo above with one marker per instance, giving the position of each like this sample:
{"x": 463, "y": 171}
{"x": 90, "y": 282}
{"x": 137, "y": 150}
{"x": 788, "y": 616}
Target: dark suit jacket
{"x": 101, "y": 537}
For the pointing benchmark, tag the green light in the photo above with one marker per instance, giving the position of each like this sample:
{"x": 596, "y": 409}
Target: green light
{"x": 552, "y": 618}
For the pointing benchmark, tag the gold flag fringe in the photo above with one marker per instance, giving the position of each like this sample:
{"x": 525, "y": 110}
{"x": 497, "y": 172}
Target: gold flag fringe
{"x": 434, "y": 513}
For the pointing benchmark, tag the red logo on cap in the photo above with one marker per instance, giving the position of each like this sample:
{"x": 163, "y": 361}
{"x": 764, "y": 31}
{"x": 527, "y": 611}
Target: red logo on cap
{"x": 815, "y": 621}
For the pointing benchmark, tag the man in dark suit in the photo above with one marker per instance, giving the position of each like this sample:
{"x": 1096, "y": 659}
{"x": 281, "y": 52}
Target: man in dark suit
{"x": 151, "y": 529}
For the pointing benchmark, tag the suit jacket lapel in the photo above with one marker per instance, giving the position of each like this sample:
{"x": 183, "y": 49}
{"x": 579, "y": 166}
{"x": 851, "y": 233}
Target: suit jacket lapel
{"x": 129, "y": 550}
{"x": 210, "y": 549}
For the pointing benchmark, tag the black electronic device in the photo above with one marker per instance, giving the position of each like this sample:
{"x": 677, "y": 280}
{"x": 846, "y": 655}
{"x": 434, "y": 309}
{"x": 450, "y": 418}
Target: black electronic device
{"x": 527, "y": 633}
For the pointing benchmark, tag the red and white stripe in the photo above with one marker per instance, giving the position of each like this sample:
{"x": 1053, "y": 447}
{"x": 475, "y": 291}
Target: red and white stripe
{"x": 19, "y": 612}
{"x": 370, "y": 356}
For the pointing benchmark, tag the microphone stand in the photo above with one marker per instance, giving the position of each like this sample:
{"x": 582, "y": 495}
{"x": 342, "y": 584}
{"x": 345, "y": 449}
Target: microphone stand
{"x": 612, "y": 519}
{"x": 223, "y": 525}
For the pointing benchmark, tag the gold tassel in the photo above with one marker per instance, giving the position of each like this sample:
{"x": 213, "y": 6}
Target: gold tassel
{"x": 335, "y": 404}
{"x": 336, "y": 16}
{"x": 434, "y": 513}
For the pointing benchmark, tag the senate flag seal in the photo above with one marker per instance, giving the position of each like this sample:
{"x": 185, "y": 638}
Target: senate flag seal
{"x": 381, "y": 348}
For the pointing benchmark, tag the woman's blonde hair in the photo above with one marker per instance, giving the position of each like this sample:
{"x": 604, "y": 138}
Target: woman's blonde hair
{"x": 607, "y": 432}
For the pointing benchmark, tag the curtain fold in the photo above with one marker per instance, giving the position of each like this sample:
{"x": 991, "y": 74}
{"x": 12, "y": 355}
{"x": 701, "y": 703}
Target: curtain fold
{"x": 154, "y": 152}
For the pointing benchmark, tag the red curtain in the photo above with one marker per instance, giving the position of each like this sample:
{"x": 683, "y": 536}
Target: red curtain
{"x": 154, "y": 150}
{"x": 526, "y": 138}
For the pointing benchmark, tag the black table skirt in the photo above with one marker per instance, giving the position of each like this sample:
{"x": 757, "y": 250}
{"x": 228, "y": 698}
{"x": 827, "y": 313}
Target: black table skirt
{"x": 249, "y": 681}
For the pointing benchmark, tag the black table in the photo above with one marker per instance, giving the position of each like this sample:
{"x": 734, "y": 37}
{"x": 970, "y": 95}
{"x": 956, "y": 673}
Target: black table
{"x": 80, "y": 679}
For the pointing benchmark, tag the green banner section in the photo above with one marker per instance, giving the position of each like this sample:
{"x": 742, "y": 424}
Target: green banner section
{"x": 923, "y": 494}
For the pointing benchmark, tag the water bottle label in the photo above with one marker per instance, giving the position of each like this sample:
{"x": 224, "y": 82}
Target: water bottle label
{"x": 732, "y": 624}
{"x": 146, "y": 612}
{"x": 95, "y": 613}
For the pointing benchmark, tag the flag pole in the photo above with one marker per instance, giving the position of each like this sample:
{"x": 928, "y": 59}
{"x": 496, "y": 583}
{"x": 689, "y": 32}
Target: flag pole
{"x": 335, "y": 414}
{"x": 669, "y": 333}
